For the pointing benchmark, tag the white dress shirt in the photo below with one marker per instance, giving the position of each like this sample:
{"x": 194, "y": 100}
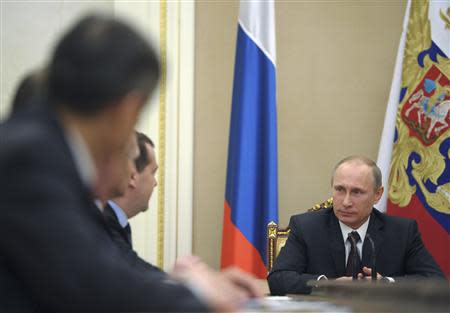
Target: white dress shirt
{"x": 362, "y": 230}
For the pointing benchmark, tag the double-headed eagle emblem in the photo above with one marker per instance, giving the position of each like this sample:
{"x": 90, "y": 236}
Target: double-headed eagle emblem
{"x": 420, "y": 159}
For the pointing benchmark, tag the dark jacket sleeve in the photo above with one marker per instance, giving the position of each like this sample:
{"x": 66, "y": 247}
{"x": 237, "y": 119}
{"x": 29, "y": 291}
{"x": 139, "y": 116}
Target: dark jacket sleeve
{"x": 419, "y": 264}
{"x": 117, "y": 235}
{"x": 289, "y": 271}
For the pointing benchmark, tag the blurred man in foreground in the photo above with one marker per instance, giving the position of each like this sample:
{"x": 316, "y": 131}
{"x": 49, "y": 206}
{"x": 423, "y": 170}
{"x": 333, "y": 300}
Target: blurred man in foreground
{"x": 329, "y": 243}
{"x": 55, "y": 158}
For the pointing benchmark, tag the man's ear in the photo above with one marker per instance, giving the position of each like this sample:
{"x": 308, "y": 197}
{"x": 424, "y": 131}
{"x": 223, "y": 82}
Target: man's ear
{"x": 378, "y": 194}
{"x": 133, "y": 180}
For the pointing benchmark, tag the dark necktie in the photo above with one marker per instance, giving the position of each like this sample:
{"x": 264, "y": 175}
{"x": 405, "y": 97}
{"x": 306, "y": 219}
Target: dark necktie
{"x": 128, "y": 232}
{"x": 354, "y": 265}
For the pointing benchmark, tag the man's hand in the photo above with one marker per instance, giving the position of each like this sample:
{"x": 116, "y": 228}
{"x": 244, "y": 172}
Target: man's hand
{"x": 222, "y": 291}
{"x": 244, "y": 281}
{"x": 367, "y": 274}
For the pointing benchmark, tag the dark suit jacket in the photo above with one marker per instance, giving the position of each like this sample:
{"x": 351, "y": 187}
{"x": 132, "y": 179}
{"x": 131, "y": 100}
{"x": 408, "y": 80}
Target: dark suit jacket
{"x": 315, "y": 247}
{"x": 116, "y": 230}
{"x": 120, "y": 237}
{"x": 56, "y": 252}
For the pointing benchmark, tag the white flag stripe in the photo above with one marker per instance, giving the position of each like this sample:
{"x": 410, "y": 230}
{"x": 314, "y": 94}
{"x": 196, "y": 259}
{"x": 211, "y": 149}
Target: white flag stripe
{"x": 251, "y": 14}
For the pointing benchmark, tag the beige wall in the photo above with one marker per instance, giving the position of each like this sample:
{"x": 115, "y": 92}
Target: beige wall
{"x": 28, "y": 30}
{"x": 334, "y": 64}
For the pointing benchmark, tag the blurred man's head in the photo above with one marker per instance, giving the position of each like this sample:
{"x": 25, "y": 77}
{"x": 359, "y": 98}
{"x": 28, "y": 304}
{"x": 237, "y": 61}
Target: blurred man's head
{"x": 143, "y": 179}
{"x": 99, "y": 77}
{"x": 98, "y": 63}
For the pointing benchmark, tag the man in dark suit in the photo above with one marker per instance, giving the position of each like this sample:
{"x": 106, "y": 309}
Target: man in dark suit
{"x": 133, "y": 199}
{"x": 57, "y": 254}
{"x": 327, "y": 244}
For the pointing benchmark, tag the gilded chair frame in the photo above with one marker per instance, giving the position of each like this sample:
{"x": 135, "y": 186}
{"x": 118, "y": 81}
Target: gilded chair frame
{"x": 276, "y": 238}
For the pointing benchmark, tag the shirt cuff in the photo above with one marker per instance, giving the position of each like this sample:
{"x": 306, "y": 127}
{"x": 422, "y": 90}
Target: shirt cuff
{"x": 322, "y": 277}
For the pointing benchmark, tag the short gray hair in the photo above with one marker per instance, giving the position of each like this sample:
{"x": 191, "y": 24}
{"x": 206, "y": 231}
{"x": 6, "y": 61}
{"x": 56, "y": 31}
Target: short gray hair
{"x": 376, "y": 172}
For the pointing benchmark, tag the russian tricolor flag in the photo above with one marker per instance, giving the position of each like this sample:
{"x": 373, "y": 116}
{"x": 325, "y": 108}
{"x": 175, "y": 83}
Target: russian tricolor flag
{"x": 251, "y": 199}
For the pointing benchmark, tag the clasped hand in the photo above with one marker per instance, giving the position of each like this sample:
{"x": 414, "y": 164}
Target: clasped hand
{"x": 366, "y": 274}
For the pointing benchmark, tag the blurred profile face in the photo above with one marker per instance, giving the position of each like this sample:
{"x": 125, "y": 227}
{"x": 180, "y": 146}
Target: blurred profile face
{"x": 126, "y": 166}
{"x": 119, "y": 169}
{"x": 146, "y": 181}
{"x": 113, "y": 158}
{"x": 354, "y": 193}
{"x": 121, "y": 120}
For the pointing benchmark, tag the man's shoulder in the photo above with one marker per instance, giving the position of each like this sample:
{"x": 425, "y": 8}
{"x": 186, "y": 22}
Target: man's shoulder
{"x": 314, "y": 215}
{"x": 18, "y": 129}
{"x": 392, "y": 221}
{"x": 314, "y": 218}
{"x": 36, "y": 132}
{"x": 34, "y": 155}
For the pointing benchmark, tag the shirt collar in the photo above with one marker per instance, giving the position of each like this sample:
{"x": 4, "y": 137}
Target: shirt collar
{"x": 362, "y": 230}
{"x": 81, "y": 156}
{"x": 121, "y": 216}
{"x": 98, "y": 203}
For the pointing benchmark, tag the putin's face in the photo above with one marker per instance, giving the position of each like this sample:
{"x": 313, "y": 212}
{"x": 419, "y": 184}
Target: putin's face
{"x": 354, "y": 193}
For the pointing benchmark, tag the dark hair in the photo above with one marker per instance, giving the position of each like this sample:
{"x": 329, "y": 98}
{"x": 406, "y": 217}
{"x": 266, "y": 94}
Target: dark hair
{"x": 30, "y": 91}
{"x": 143, "y": 159}
{"x": 99, "y": 61}
{"x": 376, "y": 172}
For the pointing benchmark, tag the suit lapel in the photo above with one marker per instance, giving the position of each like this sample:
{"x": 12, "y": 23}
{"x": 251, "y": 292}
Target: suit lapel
{"x": 114, "y": 222}
{"x": 336, "y": 243}
{"x": 375, "y": 230}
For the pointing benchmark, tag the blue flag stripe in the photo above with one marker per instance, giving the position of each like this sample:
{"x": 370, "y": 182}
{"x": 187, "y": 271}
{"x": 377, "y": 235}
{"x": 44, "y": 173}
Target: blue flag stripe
{"x": 252, "y": 181}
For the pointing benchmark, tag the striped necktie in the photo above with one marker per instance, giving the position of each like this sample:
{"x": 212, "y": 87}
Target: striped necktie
{"x": 354, "y": 265}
